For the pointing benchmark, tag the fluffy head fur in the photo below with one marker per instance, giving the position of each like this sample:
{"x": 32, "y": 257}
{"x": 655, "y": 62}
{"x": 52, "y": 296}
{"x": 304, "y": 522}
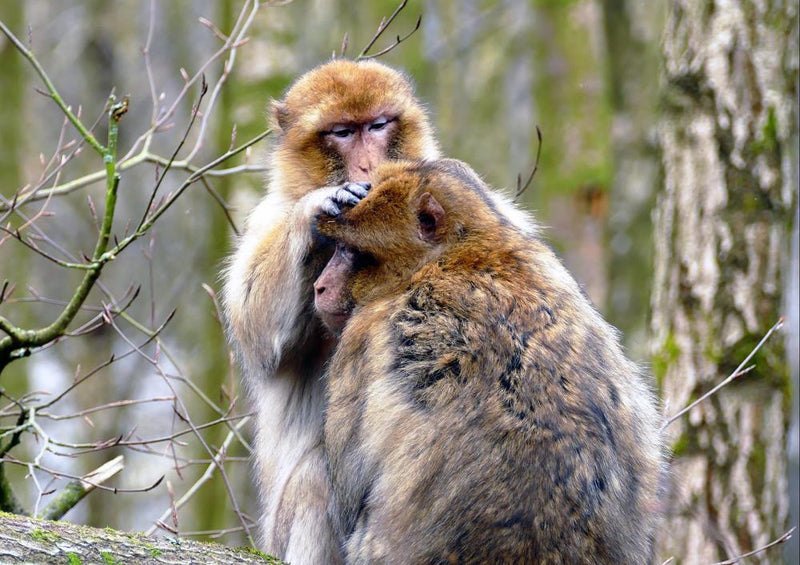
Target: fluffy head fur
{"x": 338, "y": 92}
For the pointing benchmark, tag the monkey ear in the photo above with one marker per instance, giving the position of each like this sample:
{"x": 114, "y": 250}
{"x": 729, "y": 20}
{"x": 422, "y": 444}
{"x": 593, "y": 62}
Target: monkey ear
{"x": 278, "y": 116}
{"x": 430, "y": 218}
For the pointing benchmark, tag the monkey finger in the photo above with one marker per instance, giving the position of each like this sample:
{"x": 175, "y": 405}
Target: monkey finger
{"x": 330, "y": 207}
{"x": 345, "y": 198}
{"x": 360, "y": 189}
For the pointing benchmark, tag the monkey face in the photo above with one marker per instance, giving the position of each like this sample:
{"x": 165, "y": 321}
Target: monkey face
{"x": 361, "y": 145}
{"x": 332, "y": 297}
{"x": 339, "y": 121}
{"x": 381, "y": 243}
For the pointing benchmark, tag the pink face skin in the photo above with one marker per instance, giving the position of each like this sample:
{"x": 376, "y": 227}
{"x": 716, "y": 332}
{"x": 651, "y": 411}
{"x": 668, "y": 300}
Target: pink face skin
{"x": 363, "y": 146}
{"x": 331, "y": 298}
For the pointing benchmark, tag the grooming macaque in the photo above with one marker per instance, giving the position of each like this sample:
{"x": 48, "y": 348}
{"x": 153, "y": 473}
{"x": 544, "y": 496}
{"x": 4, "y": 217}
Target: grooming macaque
{"x": 480, "y": 410}
{"x": 334, "y": 125}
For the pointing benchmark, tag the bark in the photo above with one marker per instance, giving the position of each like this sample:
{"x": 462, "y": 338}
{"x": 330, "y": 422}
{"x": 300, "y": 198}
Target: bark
{"x": 793, "y": 350}
{"x": 720, "y": 247}
{"x": 27, "y": 540}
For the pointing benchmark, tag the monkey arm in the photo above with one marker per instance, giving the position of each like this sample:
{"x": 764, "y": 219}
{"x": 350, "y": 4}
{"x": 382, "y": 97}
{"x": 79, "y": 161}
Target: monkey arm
{"x": 282, "y": 349}
{"x": 268, "y": 290}
{"x": 265, "y": 284}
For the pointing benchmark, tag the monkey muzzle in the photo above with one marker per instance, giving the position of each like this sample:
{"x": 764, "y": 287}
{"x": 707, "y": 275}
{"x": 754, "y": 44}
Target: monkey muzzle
{"x": 332, "y": 298}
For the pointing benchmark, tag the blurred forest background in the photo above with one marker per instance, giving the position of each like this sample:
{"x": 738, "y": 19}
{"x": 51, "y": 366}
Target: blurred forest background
{"x": 667, "y": 182}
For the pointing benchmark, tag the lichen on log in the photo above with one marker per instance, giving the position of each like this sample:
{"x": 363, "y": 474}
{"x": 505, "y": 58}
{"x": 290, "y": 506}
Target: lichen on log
{"x": 29, "y": 540}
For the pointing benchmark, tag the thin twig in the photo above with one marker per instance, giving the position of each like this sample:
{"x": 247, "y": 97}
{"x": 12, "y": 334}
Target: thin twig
{"x": 195, "y": 112}
{"x": 523, "y": 187}
{"x": 148, "y": 66}
{"x": 382, "y": 27}
{"x": 53, "y": 93}
{"x": 60, "y": 474}
{"x": 783, "y": 539}
{"x": 736, "y": 373}
{"x": 235, "y": 42}
{"x": 74, "y": 491}
{"x": 222, "y": 204}
{"x": 398, "y": 41}
{"x": 205, "y": 477}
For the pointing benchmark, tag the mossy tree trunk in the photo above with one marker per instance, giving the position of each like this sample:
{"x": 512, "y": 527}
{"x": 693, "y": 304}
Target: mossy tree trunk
{"x": 721, "y": 238}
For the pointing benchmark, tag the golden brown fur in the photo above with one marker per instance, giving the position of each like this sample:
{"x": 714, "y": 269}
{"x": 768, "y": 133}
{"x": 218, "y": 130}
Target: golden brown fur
{"x": 340, "y": 92}
{"x": 281, "y": 346}
{"x": 480, "y": 410}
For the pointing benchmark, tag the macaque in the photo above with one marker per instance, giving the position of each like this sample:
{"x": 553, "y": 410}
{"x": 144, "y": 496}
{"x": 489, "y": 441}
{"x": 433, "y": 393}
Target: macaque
{"x": 479, "y": 409}
{"x": 334, "y": 126}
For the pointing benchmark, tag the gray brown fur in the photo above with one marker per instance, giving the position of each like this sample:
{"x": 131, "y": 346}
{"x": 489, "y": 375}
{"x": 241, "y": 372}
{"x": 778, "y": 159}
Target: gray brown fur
{"x": 480, "y": 410}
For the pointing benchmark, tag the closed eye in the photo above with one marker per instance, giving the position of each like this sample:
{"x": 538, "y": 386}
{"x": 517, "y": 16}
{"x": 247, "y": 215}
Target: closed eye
{"x": 379, "y": 124}
{"x": 341, "y": 131}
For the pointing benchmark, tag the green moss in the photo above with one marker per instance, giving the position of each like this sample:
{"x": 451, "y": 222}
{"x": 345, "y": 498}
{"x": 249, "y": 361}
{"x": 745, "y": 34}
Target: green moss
{"x": 44, "y": 536}
{"x": 151, "y": 549}
{"x": 73, "y": 559}
{"x": 108, "y": 558}
{"x": 769, "y": 141}
{"x": 252, "y": 551}
{"x": 663, "y": 359}
{"x": 681, "y": 445}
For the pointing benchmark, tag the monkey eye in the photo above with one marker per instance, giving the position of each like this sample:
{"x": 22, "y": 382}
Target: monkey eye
{"x": 378, "y": 124}
{"x": 342, "y": 131}
{"x": 363, "y": 260}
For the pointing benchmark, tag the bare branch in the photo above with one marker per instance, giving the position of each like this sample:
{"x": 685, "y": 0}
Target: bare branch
{"x": 736, "y": 373}
{"x": 382, "y": 27}
{"x": 398, "y": 41}
{"x": 195, "y": 111}
{"x": 52, "y": 92}
{"x": 222, "y": 204}
{"x": 75, "y": 490}
{"x": 205, "y": 477}
{"x": 783, "y": 539}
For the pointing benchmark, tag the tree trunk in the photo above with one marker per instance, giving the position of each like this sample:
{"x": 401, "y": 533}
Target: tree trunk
{"x": 28, "y": 540}
{"x": 793, "y": 346}
{"x": 632, "y": 30}
{"x": 720, "y": 248}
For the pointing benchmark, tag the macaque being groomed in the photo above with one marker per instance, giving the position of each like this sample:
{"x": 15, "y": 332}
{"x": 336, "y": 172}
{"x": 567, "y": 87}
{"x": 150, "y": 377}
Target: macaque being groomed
{"x": 480, "y": 410}
{"x": 335, "y": 125}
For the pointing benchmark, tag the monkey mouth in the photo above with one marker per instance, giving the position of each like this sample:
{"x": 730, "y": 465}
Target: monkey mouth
{"x": 334, "y": 321}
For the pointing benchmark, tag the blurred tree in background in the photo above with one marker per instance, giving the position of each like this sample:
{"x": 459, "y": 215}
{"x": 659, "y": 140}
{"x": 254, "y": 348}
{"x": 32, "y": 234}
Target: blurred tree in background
{"x": 586, "y": 72}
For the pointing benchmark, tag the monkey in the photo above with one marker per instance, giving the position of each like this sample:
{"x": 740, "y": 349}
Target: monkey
{"x": 480, "y": 410}
{"x": 333, "y": 126}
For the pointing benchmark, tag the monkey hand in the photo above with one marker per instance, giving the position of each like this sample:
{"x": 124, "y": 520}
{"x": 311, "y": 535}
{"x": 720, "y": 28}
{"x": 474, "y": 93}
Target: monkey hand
{"x": 332, "y": 200}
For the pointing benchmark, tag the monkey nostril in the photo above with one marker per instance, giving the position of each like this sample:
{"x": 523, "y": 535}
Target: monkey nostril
{"x": 319, "y": 289}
